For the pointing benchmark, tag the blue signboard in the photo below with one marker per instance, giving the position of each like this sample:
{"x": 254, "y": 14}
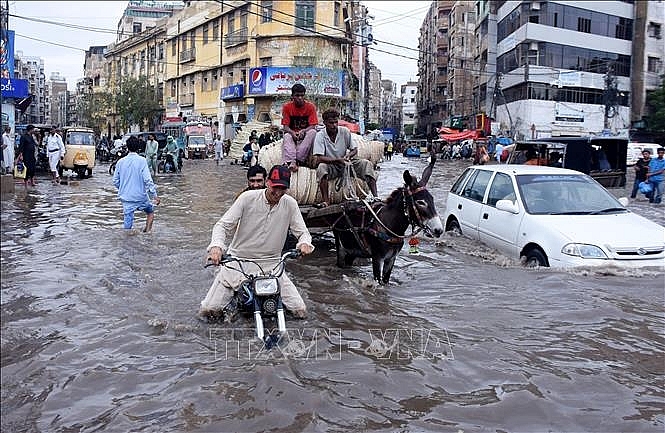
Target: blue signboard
{"x": 7, "y": 54}
{"x": 233, "y": 92}
{"x": 14, "y": 88}
{"x": 273, "y": 80}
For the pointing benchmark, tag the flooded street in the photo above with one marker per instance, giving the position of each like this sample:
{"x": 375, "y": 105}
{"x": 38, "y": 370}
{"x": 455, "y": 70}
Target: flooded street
{"x": 99, "y": 328}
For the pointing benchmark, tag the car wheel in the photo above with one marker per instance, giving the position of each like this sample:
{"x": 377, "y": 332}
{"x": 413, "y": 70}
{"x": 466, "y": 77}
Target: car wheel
{"x": 534, "y": 258}
{"x": 454, "y": 227}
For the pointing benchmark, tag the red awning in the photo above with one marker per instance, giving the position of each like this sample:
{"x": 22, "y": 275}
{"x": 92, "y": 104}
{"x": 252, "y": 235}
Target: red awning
{"x": 445, "y": 130}
{"x": 463, "y": 135}
{"x": 353, "y": 127}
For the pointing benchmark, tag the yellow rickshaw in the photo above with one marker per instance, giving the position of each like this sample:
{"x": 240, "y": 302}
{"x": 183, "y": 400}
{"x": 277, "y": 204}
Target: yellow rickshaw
{"x": 79, "y": 151}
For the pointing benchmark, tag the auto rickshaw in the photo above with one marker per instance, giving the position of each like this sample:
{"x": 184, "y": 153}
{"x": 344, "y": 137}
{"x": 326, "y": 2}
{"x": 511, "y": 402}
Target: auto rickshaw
{"x": 79, "y": 151}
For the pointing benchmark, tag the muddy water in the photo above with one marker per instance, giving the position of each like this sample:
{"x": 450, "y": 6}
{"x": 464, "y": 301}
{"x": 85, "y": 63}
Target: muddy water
{"x": 99, "y": 330}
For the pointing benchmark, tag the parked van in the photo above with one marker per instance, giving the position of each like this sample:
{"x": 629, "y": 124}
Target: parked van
{"x": 79, "y": 151}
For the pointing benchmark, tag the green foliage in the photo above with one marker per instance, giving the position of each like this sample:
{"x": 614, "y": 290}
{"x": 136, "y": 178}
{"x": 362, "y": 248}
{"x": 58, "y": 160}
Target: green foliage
{"x": 92, "y": 109}
{"x": 408, "y": 130}
{"x": 372, "y": 126}
{"x": 656, "y": 104}
{"x": 137, "y": 103}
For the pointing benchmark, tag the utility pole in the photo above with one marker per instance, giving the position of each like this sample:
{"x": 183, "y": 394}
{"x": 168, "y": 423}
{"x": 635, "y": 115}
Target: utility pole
{"x": 610, "y": 96}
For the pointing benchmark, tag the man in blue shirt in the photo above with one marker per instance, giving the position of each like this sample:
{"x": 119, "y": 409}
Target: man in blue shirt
{"x": 655, "y": 175}
{"x": 135, "y": 186}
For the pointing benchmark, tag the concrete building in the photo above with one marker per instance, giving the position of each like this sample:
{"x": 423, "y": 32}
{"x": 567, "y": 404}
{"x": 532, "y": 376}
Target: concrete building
{"x": 433, "y": 110}
{"x": 56, "y": 111}
{"x": 32, "y": 69}
{"x": 391, "y": 107}
{"x": 375, "y": 95}
{"x": 237, "y": 61}
{"x": 550, "y": 84}
{"x": 648, "y": 54}
{"x": 484, "y": 57}
{"x": 409, "y": 96}
{"x": 141, "y": 15}
{"x": 461, "y": 63}
{"x": 95, "y": 69}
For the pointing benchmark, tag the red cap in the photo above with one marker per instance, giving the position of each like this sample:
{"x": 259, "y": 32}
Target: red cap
{"x": 279, "y": 176}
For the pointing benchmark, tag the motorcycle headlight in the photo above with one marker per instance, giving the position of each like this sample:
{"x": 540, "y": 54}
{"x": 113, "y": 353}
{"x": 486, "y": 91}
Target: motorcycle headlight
{"x": 585, "y": 251}
{"x": 266, "y": 286}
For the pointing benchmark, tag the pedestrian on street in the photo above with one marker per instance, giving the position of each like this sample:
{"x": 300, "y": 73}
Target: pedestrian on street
{"x": 55, "y": 149}
{"x": 135, "y": 186}
{"x": 8, "y": 150}
{"x": 27, "y": 149}
{"x": 641, "y": 168}
{"x": 219, "y": 149}
{"x": 151, "y": 147}
{"x": 655, "y": 176}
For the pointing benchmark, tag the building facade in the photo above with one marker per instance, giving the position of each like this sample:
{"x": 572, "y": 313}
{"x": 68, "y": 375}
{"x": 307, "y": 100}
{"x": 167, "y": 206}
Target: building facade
{"x": 461, "y": 63}
{"x": 484, "y": 80}
{"x": 409, "y": 96}
{"x": 32, "y": 69}
{"x": 433, "y": 110}
{"x": 141, "y": 15}
{"x": 375, "y": 96}
{"x": 55, "y": 108}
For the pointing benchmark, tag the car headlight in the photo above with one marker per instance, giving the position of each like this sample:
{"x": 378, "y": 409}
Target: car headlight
{"x": 585, "y": 251}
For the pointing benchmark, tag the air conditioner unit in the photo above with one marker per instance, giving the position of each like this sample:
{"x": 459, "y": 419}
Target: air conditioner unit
{"x": 535, "y": 6}
{"x": 533, "y": 46}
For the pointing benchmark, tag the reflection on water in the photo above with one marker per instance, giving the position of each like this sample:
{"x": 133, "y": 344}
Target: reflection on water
{"x": 99, "y": 329}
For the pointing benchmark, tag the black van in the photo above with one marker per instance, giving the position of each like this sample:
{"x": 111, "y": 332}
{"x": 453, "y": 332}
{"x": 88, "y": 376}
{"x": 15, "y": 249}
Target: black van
{"x": 602, "y": 158}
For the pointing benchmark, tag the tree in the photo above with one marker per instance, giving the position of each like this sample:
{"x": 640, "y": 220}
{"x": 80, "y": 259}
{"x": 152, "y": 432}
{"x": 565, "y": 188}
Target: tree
{"x": 656, "y": 105}
{"x": 137, "y": 103}
{"x": 92, "y": 109}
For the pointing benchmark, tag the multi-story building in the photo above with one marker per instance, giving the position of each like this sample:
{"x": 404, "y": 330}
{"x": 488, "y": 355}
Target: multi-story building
{"x": 141, "y": 15}
{"x": 32, "y": 69}
{"x": 390, "y": 108}
{"x": 95, "y": 69}
{"x": 375, "y": 95}
{"x": 433, "y": 109}
{"x": 56, "y": 114}
{"x": 237, "y": 61}
{"x": 461, "y": 67}
{"x": 563, "y": 68}
{"x": 484, "y": 57}
{"x": 409, "y": 96}
{"x": 648, "y": 54}
{"x": 142, "y": 55}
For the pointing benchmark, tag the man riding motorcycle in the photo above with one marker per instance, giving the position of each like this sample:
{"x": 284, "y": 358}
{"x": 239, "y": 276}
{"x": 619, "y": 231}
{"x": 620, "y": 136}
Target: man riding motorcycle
{"x": 172, "y": 149}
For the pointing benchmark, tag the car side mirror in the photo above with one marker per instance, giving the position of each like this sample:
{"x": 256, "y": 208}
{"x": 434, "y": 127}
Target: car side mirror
{"x": 507, "y": 206}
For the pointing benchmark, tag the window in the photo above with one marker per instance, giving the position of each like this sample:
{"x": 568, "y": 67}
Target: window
{"x": 583, "y": 25}
{"x": 136, "y": 28}
{"x": 305, "y": 14}
{"x": 501, "y": 189}
{"x": 183, "y": 42}
{"x": 160, "y": 55}
{"x": 192, "y": 38}
{"x": 534, "y": 19}
{"x": 173, "y": 88}
{"x": 476, "y": 186}
{"x": 266, "y": 11}
{"x": 307, "y": 61}
{"x": 266, "y": 61}
{"x": 244, "y": 11}
{"x": 336, "y": 20}
{"x": 231, "y": 23}
{"x": 215, "y": 30}
{"x": 653, "y": 64}
{"x": 205, "y": 33}
{"x": 457, "y": 186}
{"x": 653, "y": 30}
{"x": 174, "y": 46}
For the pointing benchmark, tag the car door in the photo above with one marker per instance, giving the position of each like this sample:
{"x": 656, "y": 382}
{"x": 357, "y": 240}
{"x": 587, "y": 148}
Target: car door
{"x": 470, "y": 202}
{"x": 499, "y": 228}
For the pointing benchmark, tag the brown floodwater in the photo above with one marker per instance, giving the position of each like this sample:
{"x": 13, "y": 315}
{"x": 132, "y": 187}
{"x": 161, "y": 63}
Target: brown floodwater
{"x": 99, "y": 328}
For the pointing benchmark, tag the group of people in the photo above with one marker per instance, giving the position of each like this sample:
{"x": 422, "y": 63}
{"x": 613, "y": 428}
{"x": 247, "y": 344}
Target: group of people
{"x": 650, "y": 170}
{"x": 23, "y": 162}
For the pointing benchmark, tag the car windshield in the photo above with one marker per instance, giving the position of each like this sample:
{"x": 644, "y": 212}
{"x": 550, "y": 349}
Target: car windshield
{"x": 197, "y": 140}
{"x": 565, "y": 195}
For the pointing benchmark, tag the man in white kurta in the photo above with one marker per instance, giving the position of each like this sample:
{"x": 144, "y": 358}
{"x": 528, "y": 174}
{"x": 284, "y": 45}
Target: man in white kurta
{"x": 55, "y": 149}
{"x": 255, "y": 227}
{"x": 8, "y": 150}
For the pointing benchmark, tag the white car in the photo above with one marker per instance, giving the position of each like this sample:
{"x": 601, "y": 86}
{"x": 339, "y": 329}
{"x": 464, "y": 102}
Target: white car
{"x": 551, "y": 217}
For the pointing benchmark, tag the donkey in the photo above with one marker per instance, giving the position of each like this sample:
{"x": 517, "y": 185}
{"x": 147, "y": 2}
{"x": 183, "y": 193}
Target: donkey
{"x": 377, "y": 230}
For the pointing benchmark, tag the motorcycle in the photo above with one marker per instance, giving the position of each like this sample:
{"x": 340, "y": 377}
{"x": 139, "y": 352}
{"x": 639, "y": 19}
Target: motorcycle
{"x": 116, "y": 154}
{"x": 258, "y": 294}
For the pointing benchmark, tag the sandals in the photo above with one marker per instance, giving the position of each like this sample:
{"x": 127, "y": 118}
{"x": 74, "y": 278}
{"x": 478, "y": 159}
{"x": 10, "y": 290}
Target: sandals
{"x": 321, "y": 205}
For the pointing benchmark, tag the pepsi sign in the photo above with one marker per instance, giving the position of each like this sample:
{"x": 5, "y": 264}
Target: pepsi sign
{"x": 14, "y": 88}
{"x": 257, "y": 80}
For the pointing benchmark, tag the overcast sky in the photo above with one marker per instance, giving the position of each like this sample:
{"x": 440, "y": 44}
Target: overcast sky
{"x": 63, "y": 48}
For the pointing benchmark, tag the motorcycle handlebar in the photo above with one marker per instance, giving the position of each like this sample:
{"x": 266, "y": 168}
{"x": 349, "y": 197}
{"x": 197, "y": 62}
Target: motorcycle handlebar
{"x": 226, "y": 258}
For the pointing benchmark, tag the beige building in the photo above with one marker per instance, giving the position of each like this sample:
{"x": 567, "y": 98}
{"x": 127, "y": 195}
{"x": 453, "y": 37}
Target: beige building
{"x": 237, "y": 61}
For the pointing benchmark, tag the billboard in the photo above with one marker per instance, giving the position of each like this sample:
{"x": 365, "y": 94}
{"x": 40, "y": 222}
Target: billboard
{"x": 13, "y": 87}
{"x": 273, "y": 80}
{"x": 232, "y": 92}
{"x": 7, "y": 53}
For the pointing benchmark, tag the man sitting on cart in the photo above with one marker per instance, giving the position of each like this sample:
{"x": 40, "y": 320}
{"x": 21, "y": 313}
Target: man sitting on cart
{"x": 299, "y": 122}
{"x": 333, "y": 150}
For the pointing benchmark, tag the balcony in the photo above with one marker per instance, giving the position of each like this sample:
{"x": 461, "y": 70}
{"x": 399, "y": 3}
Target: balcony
{"x": 188, "y": 55}
{"x": 236, "y": 38}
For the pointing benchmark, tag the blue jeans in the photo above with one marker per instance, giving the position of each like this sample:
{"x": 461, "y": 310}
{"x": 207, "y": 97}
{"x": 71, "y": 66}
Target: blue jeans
{"x": 657, "y": 194}
{"x": 636, "y": 187}
{"x": 129, "y": 207}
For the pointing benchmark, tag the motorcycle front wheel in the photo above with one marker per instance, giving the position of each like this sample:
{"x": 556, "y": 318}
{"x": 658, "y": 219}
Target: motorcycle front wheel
{"x": 112, "y": 168}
